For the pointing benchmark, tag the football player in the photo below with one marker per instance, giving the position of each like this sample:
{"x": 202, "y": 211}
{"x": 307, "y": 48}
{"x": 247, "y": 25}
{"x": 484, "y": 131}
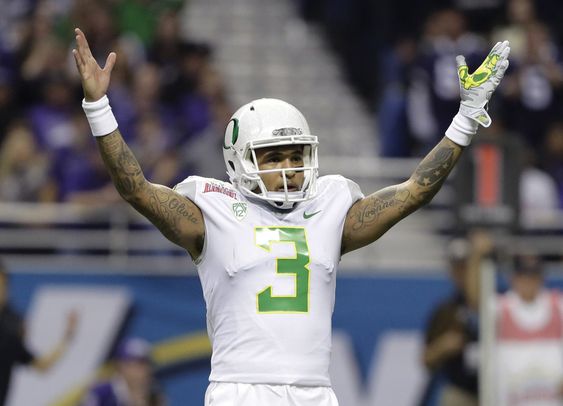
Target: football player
{"x": 267, "y": 243}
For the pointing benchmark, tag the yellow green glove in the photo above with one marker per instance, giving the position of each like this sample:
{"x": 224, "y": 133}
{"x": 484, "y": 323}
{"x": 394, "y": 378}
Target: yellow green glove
{"x": 476, "y": 89}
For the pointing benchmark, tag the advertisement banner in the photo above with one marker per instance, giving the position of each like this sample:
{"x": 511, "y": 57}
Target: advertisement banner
{"x": 378, "y": 324}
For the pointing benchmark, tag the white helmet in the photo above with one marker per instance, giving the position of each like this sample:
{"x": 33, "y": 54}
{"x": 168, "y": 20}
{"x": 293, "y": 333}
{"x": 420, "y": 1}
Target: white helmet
{"x": 268, "y": 123}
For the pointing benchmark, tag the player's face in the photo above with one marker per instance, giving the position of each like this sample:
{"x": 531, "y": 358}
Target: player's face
{"x": 283, "y": 157}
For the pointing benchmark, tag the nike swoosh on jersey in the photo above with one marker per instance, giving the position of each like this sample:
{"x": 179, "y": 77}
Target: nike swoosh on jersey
{"x": 307, "y": 216}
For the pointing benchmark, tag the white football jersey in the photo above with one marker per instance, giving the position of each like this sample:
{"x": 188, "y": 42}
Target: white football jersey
{"x": 268, "y": 280}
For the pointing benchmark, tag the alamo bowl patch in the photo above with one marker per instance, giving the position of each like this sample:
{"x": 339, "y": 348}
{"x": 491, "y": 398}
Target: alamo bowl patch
{"x": 239, "y": 210}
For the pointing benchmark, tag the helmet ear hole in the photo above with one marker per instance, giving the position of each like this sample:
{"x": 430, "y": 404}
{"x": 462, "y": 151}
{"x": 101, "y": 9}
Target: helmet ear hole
{"x": 232, "y": 165}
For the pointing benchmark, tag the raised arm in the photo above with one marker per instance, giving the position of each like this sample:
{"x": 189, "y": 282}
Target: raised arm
{"x": 177, "y": 217}
{"x": 369, "y": 218}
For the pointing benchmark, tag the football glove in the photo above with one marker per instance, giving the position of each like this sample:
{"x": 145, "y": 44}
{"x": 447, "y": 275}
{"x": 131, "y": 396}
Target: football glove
{"x": 476, "y": 89}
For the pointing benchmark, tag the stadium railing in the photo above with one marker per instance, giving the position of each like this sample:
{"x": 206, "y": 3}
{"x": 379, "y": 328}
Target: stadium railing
{"x": 108, "y": 238}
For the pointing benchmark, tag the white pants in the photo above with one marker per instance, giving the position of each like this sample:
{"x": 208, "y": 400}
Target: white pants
{"x": 245, "y": 394}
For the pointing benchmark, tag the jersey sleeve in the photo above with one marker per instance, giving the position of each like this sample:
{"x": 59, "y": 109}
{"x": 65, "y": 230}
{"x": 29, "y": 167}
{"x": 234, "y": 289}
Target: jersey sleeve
{"x": 215, "y": 199}
{"x": 188, "y": 187}
{"x": 354, "y": 189}
{"x": 340, "y": 190}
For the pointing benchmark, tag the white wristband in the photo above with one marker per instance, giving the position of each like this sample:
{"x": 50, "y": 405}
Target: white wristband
{"x": 461, "y": 130}
{"x": 99, "y": 115}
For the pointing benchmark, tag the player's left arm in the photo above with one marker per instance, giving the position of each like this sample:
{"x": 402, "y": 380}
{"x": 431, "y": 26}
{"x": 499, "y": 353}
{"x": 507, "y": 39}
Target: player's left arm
{"x": 369, "y": 218}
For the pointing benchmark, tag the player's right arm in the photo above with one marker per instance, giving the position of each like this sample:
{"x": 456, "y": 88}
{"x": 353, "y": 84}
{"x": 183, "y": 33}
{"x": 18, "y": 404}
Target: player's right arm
{"x": 177, "y": 217}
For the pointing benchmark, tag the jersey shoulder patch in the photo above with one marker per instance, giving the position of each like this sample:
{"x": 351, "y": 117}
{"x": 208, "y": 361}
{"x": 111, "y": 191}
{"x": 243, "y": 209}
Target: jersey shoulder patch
{"x": 195, "y": 186}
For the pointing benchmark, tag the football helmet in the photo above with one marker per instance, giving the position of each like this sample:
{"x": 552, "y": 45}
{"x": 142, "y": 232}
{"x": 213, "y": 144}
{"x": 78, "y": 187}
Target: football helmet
{"x": 267, "y": 123}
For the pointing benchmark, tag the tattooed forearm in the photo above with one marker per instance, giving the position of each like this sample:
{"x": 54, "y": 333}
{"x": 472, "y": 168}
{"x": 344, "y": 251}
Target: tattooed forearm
{"x": 178, "y": 218}
{"x": 122, "y": 165}
{"x": 167, "y": 212}
{"x": 432, "y": 172}
{"x": 371, "y": 217}
{"x": 376, "y": 204}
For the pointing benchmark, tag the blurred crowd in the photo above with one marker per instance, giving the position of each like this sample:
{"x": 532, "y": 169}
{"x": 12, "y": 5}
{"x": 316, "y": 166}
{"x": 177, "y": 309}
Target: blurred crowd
{"x": 172, "y": 107}
{"x": 526, "y": 316}
{"x": 530, "y": 105}
{"x": 165, "y": 93}
{"x": 401, "y": 57}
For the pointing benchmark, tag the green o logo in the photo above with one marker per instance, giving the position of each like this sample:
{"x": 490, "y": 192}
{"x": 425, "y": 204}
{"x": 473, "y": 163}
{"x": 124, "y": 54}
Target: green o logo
{"x": 234, "y": 137}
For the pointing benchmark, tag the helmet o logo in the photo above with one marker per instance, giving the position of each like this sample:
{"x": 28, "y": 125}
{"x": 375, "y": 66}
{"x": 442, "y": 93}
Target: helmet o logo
{"x": 234, "y": 137}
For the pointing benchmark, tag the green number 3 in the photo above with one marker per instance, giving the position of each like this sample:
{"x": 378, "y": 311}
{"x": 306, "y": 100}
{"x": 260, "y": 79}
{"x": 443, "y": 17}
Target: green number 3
{"x": 297, "y": 266}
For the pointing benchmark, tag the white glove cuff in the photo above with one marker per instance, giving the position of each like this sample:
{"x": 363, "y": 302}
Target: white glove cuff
{"x": 480, "y": 115}
{"x": 99, "y": 115}
{"x": 461, "y": 130}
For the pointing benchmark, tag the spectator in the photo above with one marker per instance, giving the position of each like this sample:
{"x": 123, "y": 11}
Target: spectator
{"x": 98, "y": 17}
{"x": 152, "y": 143}
{"x": 529, "y": 334}
{"x": 534, "y": 87}
{"x": 24, "y": 167}
{"x": 179, "y": 91}
{"x": 76, "y": 173}
{"x": 451, "y": 336}
{"x": 133, "y": 383}
{"x": 140, "y": 17}
{"x": 12, "y": 336}
{"x": 191, "y": 104}
{"x": 8, "y": 103}
{"x": 42, "y": 56}
{"x": 147, "y": 93}
{"x": 12, "y": 18}
{"x": 539, "y": 197}
{"x": 553, "y": 156}
{"x": 394, "y": 133}
{"x": 434, "y": 88}
{"x": 519, "y": 14}
{"x": 166, "y": 46}
{"x": 51, "y": 117}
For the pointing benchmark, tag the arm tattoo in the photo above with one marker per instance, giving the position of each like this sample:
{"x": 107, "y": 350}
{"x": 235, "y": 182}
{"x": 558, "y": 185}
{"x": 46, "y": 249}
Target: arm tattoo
{"x": 171, "y": 214}
{"x": 435, "y": 168}
{"x": 167, "y": 213}
{"x": 370, "y": 218}
{"x": 432, "y": 172}
{"x": 122, "y": 165}
{"x": 377, "y": 204}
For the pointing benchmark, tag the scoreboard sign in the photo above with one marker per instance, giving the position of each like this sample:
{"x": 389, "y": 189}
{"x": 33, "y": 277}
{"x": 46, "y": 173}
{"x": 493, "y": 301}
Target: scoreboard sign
{"x": 487, "y": 184}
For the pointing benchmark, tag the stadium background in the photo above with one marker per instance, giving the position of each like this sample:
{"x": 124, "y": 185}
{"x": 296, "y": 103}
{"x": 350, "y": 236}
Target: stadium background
{"x": 377, "y": 83}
